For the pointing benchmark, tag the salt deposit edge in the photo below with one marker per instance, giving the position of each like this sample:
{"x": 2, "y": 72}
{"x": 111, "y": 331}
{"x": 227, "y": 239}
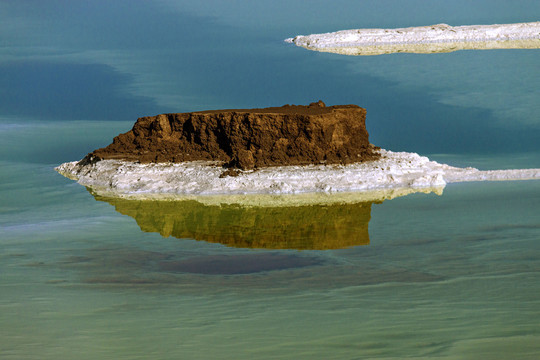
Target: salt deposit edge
{"x": 395, "y": 174}
{"x": 423, "y": 39}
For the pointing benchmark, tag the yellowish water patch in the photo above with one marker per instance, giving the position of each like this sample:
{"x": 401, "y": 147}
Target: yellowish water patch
{"x": 309, "y": 227}
{"x": 264, "y": 221}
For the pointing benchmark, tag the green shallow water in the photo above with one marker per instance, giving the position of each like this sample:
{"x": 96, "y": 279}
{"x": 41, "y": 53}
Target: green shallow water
{"x": 450, "y": 276}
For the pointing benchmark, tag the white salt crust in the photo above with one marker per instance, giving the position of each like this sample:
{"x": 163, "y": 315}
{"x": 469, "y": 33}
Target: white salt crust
{"x": 424, "y": 39}
{"x": 395, "y": 174}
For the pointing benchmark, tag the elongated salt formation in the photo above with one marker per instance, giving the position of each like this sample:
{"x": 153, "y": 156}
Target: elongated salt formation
{"x": 424, "y": 39}
{"x": 394, "y": 170}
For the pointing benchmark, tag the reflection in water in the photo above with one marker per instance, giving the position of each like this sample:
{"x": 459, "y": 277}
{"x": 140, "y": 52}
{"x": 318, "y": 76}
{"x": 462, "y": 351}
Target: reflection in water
{"x": 314, "y": 227}
{"x": 315, "y": 221}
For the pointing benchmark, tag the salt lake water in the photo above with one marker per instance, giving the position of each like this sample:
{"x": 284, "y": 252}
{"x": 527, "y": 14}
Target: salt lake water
{"x": 446, "y": 276}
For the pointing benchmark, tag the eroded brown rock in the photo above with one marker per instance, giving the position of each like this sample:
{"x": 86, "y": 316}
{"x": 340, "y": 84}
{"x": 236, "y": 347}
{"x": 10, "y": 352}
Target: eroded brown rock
{"x": 248, "y": 138}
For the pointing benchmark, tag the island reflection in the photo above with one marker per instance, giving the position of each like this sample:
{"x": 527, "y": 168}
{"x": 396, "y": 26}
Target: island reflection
{"x": 283, "y": 222}
{"x": 312, "y": 227}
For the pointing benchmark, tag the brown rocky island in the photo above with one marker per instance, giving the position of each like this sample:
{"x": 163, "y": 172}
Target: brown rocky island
{"x": 181, "y": 155}
{"x": 247, "y": 138}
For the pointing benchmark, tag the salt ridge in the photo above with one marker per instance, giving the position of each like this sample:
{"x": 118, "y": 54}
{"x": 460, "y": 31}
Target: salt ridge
{"x": 423, "y": 39}
{"x": 408, "y": 172}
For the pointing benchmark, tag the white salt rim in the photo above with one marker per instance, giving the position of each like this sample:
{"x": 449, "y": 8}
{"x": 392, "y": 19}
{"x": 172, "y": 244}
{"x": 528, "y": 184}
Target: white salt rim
{"x": 420, "y": 35}
{"x": 395, "y": 174}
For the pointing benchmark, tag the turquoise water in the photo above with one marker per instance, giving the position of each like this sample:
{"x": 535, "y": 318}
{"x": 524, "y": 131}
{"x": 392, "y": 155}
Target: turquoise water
{"x": 451, "y": 276}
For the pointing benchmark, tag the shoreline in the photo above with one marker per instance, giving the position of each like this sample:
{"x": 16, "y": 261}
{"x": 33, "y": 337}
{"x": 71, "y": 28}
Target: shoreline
{"x": 394, "y": 174}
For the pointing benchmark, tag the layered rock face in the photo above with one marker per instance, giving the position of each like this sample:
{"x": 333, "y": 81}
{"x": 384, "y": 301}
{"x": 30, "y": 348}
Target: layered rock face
{"x": 248, "y": 138}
